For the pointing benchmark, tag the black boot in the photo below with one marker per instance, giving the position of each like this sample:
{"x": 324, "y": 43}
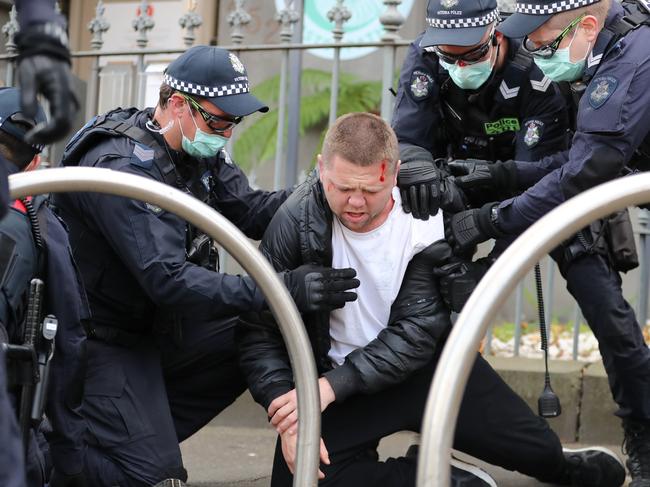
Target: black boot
{"x": 592, "y": 467}
{"x": 636, "y": 446}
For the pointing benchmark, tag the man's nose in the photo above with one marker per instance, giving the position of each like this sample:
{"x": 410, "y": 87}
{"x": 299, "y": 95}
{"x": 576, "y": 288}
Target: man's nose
{"x": 356, "y": 200}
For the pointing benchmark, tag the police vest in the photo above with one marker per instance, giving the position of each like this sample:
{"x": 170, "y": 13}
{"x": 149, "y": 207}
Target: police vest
{"x": 476, "y": 126}
{"x": 95, "y": 255}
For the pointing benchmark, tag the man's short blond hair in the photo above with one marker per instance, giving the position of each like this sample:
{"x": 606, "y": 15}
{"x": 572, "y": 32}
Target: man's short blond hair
{"x": 599, "y": 10}
{"x": 363, "y": 139}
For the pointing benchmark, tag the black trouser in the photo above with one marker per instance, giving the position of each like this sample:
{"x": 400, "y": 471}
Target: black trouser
{"x": 12, "y": 461}
{"x": 494, "y": 424}
{"x": 140, "y": 402}
{"x": 597, "y": 289}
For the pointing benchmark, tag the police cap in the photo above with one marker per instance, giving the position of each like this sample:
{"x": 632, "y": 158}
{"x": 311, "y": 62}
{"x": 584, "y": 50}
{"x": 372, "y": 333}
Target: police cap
{"x": 216, "y": 75}
{"x": 458, "y": 22}
{"x": 13, "y": 121}
{"x": 531, "y": 14}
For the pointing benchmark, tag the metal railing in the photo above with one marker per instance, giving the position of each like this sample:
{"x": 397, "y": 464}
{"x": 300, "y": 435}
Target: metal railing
{"x": 459, "y": 353}
{"x": 235, "y": 242}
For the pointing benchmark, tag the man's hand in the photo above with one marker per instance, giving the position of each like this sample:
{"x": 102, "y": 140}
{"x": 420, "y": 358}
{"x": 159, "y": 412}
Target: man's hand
{"x": 288, "y": 441}
{"x": 477, "y": 174}
{"x": 452, "y": 198}
{"x": 419, "y": 182}
{"x": 44, "y": 68}
{"x": 466, "y": 229}
{"x": 458, "y": 279}
{"x": 61, "y": 480}
{"x": 318, "y": 288}
{"x": 283, "y": 411}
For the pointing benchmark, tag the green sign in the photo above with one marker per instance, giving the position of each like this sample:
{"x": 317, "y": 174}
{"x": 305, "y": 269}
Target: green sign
{"x": 502, "y": 126}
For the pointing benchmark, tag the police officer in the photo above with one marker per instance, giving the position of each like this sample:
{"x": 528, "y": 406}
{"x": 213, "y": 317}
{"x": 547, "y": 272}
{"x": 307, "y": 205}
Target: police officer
{"x": 162, "y": 359}
{"x": 34, "y": 244}
{"x": 468, "y": 91}
{"x": 603, "y": 47}
{"x": 43, "y": 67}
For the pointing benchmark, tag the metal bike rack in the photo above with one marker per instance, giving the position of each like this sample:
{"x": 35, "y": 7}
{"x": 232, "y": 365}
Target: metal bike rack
{"x": 459, "y": 352}
{"x": 76, "y": 179}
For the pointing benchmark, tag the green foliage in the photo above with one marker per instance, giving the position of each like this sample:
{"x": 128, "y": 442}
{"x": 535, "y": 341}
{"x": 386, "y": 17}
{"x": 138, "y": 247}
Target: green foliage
{"x": 257, "y": 141}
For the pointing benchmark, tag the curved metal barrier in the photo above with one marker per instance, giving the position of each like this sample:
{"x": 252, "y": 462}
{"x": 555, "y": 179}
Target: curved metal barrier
{"x": 459, "y": 353}
{"x": 75, "y": 179}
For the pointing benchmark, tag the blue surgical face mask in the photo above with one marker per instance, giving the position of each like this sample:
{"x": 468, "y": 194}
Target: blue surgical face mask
{"x": 470, "y": 76}
{"x": 559, "y": 66}
{"x": 204, "y": 145}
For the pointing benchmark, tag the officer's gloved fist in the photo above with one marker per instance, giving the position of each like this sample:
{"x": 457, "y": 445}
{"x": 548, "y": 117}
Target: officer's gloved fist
{"x": 466, "y": 229}
{"x": 457, "y": 280}
{"x": 419, "y": 182}
{"x": 477, "y": 173}
{"x": 44, "y": 67}
{"x": 452, "y": 197}
{"x": 318, "y": 288}
{"x": 62, "y": 480}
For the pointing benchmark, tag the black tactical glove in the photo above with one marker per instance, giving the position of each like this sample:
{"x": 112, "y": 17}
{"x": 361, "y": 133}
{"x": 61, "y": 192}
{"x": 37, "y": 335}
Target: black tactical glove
{"x": 419, "y": 182}
{"x": 61, "y": 480}
{"x": 466, "y": 229}
{"x": 318, "y": 288}
{"x": 476, "y": 173}
{"x": 457, "y": 280}
{"x": 452, "y": 198}
{"x": 44, "y": 67}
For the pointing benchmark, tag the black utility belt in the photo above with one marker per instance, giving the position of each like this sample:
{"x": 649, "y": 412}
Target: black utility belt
{"x": 112, "y": 335}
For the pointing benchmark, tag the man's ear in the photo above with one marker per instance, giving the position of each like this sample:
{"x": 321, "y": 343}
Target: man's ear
{"x": 397, "y": 166}
{"x": 591, "y": 27}
{"x": 177, "y": 105}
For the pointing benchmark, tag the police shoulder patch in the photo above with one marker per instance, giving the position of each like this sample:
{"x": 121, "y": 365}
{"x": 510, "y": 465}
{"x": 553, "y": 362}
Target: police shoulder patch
{"x": 600, "y": 89}
{"x": 420, "y": 84}
{"x": 534, "y": 130}
{"x": 142, "y": 156}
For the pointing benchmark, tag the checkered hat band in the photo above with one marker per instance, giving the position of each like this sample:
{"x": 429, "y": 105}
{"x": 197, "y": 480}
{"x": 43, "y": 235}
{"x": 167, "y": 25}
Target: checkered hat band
{"x": 438, "y": 23}
{"x": 206, "y": 91}
{"x": 552, "y": 8}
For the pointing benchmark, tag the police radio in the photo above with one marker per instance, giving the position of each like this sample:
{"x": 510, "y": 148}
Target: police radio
{"x": 548, "y": 404}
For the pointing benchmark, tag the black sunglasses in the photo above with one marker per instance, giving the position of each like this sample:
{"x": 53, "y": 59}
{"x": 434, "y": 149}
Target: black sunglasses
{"x": 472, "y": 56}
{"x": 217, "y": 124}
{"x": 547, "y": 50}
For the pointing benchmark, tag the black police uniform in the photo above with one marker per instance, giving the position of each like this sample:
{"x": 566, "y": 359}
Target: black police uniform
{"x": 517, "y": 112}
{"x": 146, "y": 393}
{"x": 12, "y": 462}
{"x": 613, "y": 121}
{"x": 67, "y": 303}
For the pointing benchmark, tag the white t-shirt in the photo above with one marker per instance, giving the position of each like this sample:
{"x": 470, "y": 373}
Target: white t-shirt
{"x": 380, "y": 258}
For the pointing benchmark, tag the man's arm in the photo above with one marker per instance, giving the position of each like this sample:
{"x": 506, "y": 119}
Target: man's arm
{"x": 417, "y": 117}
{"x": 419, "y": 318}
{"x": 65, "y": 390}
{"x": 151, "y": 244}
{"x": 249, "y": 209}
{"x": 262, "y": 354}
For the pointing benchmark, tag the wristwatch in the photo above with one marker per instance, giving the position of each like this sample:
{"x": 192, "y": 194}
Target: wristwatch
{"x": 494, "y": 216}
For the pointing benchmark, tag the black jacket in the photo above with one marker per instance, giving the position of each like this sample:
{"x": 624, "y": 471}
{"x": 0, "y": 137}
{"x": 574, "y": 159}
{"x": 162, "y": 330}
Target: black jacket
{"x": 301, "y": 233}
{"x": 133, "y": 255}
